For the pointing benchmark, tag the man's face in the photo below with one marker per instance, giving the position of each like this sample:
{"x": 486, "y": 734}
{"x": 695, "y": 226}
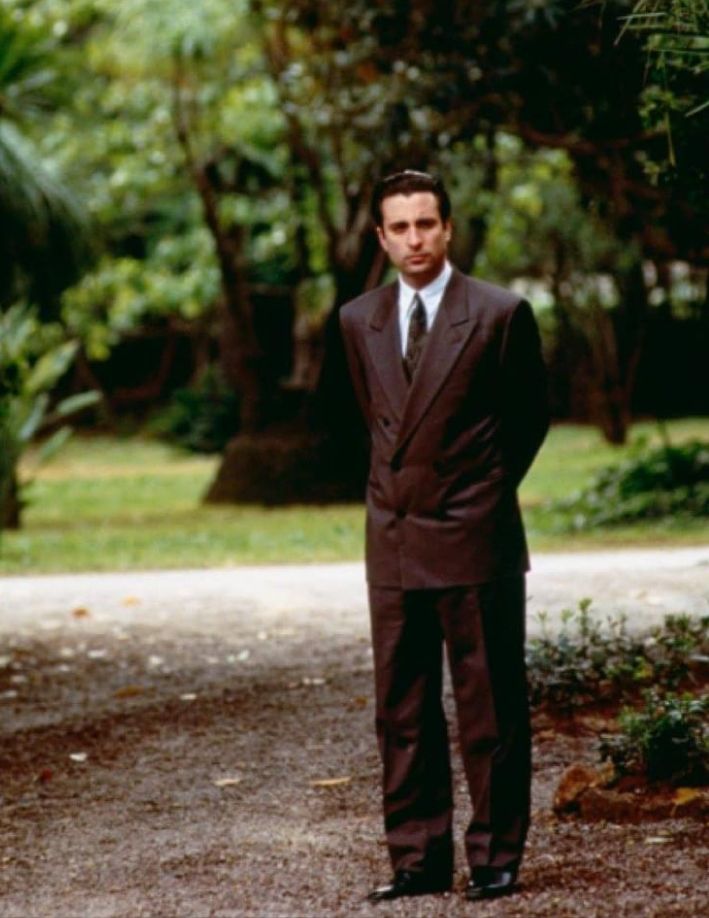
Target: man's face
{"x": 414, "y": 236}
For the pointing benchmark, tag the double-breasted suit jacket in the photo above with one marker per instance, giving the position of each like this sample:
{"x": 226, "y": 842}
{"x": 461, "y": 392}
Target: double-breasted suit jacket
{"x": 448, "y": 450}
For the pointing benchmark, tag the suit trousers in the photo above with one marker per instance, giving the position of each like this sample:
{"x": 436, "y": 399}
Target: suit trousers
{"x": 483, "y": 629}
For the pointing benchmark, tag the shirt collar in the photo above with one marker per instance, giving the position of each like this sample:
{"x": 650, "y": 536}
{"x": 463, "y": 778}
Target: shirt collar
{"x": 430, "y": 294}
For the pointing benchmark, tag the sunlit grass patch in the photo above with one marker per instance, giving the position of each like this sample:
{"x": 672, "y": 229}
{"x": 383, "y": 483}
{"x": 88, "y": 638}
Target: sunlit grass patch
{"x": 109, "y": 503}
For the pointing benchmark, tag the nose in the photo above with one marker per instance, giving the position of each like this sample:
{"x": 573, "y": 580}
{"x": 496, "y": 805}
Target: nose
{"x": 413, "y": 237}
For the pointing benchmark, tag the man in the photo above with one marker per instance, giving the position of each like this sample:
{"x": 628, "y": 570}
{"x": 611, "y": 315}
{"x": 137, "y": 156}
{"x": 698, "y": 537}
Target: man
{"x": 449, "y": 376}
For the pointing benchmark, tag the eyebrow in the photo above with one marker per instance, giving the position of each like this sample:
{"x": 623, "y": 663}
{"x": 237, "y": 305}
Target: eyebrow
{"x": 419, "y": 220}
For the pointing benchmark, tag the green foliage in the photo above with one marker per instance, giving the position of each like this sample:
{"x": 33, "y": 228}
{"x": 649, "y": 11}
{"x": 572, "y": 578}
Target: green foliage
{"x": 588, "y": 661}
{"x": 666, "y": 740}
{"x": 44, "y": 239}
{"x": 665, "y": 481}
{"x": 203, "y": 417}
{"x": 32, "y": 358}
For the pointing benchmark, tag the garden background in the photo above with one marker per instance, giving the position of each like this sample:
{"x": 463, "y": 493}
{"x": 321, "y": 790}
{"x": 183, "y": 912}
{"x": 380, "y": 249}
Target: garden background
{"x": 184, "y": 197}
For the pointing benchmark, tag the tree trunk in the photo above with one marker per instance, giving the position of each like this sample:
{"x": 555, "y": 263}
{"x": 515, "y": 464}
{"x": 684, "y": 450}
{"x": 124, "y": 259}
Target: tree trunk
{"x": 240, "y": 354}
{"x": 11, "y": 508}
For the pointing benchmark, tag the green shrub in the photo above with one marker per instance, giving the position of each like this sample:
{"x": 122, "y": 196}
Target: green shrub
{"x": 203, "y": 417}
{"x": 668, "y": 481}
{"x": 667, "y": 740}
{"x": 33, "y": 357}
{"x": 588, "y": 660}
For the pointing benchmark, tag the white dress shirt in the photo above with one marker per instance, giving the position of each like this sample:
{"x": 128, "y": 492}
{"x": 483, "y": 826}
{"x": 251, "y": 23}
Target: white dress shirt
{"x": 431, "y": 295}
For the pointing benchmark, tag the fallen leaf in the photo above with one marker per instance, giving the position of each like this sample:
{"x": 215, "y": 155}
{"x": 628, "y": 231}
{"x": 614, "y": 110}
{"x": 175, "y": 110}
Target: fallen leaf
{"x": 131, "y": 601}
{"x": 658, "y": 839}
{"x": 684, "y": 794}
{"x": 81, "y": 612}
{"x": 154, "y": 660}
{"x": 128, "y": 691}
{"x": 97, "y": 654}
{"x": 227, "y": 782}
{"x": 78, "y": 756}
{"x": 313, "y": 680}
{"x": 45, "y": 775}
{"x": 243, "y": 655}
{"x": 330, "y": 782}
{"x": 188, "y": 696}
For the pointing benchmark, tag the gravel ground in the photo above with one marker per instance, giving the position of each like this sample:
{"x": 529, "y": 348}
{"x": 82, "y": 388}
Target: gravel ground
{"x": 201, "y": 743}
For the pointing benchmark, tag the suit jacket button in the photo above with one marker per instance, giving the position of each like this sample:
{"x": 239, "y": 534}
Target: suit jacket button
{"x": 385, "y": 422}
{"x": 400, "y": 513}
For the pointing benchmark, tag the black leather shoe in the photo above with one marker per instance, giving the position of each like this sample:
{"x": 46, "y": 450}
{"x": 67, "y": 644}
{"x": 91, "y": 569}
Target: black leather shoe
{"x": 409, "y": 883}
{"x": 489, "y": 883}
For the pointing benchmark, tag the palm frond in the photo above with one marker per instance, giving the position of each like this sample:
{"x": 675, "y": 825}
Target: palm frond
{"x": 45, "y": 238}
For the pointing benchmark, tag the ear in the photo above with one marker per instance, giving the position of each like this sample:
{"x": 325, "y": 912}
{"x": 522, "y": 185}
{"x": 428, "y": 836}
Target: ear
{"x": 382, "y": 239}
{"x": 448, "y": 230}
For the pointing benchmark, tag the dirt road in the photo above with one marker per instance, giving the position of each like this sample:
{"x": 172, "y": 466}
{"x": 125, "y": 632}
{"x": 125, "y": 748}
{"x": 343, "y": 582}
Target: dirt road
{"x": 200, "y": 743}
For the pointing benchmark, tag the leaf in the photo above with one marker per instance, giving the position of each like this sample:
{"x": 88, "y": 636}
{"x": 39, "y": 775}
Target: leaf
{"x": 685, "y": 794}
{"x": 75, "y": 403}
{"x": 78, "y": 756}
{"x": 81, "y": 612}
{"x": 34, "y": 419}
{"x": 227, "y": 782}
{"x": 331, "y": 782}
{"x": 129, "y": 691}
{"x": 50, "y": 367}
{"x": 130, "y": 601}
{"x": 52, "y": 446}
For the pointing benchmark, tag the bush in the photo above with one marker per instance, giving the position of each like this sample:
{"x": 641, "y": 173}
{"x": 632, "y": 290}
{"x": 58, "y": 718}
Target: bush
{"x": 668, "y": 481}
{"x": 667, "y": 740}
{"x": 286, "y": 467}
{"x": 589, "y": 661}
{"x": 203, "y": 417}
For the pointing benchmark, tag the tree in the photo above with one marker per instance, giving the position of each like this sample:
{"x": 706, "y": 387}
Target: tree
{"x": 33, "y": 356}
{"x": 43, "y": 249}
{"x": 43, "y": 246}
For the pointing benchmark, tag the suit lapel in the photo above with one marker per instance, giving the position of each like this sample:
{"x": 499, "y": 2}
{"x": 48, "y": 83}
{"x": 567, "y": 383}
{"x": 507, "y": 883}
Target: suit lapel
{"x": 451, "y": 329}
{"x": 384, "y": 344}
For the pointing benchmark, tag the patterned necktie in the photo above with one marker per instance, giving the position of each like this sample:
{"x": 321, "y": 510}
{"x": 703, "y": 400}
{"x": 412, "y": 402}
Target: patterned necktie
{"x": 416, "y": 338}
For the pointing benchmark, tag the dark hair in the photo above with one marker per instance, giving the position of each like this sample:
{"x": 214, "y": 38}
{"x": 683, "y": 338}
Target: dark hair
{"x": 409, "y": 182}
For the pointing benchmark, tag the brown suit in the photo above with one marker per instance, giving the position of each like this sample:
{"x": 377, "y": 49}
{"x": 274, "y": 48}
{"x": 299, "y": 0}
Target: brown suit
{"x": 446, "y": 555}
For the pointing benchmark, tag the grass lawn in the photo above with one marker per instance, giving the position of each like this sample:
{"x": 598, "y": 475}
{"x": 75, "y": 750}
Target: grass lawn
{"x": 119, "y": 504}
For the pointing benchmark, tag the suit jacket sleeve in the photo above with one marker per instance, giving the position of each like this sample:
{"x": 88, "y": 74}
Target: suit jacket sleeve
{"x": 357, "y": 376}
{"x": 524, "y": 403}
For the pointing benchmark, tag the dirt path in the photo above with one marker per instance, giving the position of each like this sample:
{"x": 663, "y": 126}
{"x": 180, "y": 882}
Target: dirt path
{"x": 162, "y": 736}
